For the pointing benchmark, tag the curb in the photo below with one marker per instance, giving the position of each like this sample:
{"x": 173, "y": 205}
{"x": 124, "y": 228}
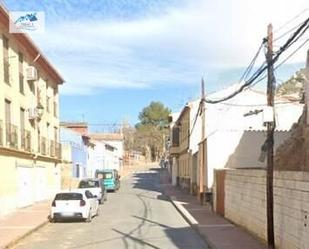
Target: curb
{"x": 19, "y": 238}
{"x": 190, "y": 220}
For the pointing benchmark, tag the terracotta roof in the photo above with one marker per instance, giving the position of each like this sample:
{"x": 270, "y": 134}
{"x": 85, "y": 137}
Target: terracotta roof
{"x": 107, "y": 136}
{"x": 74, "y": 124}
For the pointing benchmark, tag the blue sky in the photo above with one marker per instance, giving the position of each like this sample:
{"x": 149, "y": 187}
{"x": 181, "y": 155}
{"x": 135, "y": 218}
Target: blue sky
{"x": 118, "y": 55}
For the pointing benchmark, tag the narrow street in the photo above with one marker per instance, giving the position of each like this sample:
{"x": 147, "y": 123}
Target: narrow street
{"x": 137, "y": 216}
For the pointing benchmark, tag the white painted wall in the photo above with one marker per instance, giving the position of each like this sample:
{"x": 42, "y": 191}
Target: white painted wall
{"x": 234, "y": 140}
{"x": 101, "y": 158}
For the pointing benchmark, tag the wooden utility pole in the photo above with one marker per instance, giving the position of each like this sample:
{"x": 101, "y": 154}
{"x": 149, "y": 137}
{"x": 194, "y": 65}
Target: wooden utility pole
{"x": 202, "y": 146}
{"x": 306, "y": 87}
{"x": 270, "y": 139}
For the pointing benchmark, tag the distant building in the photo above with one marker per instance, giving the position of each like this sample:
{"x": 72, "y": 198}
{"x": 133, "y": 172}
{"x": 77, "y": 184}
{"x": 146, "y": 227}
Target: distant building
{"x": 114, "y": 144}
{"x": 101, "y": 156}
{"x": 75, "y": 155}
{"x": 80, "y": 127}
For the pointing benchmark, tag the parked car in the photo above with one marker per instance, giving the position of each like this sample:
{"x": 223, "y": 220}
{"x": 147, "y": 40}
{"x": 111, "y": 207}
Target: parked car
{"x": 74, "y": 204}
{"x": 111, "y": 178}
{"x": 96, "y": 187}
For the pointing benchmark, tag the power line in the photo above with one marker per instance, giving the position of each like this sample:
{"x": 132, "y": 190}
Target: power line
{"x": 293, "y": 38}
{"x": 258, "y": 75}
{"x": 294, "y": 52}
{"x": 287, "y": 32}
{"x": 251, "y": 65}
{"x": 291, "y": 20}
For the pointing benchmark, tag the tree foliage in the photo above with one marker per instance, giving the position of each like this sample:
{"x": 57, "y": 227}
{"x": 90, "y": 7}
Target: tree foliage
{"x": 151, "y": 130}
{"x": 155, "y": 114}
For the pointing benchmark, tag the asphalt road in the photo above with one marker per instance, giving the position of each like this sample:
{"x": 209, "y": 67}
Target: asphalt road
{"x": 137, "y": 216}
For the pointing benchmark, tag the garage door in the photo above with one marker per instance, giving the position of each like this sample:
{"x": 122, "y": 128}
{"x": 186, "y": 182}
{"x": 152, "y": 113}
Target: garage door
{"x": 24, "y": 186}
{"x": 40, "y": 183}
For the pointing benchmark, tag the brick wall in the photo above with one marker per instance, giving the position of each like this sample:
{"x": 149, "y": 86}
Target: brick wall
{"x": 245, "y": 205}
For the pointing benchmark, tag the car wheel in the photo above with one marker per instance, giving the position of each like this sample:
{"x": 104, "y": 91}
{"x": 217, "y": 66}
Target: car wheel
{"x": 52, "y": 220}
{"x": 89, "y": 217}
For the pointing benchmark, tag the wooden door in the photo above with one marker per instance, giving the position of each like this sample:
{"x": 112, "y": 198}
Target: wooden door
{"x": 220, "y": 182}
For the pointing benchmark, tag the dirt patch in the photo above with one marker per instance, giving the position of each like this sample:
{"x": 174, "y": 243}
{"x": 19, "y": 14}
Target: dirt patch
{"x": 293, "y": 155}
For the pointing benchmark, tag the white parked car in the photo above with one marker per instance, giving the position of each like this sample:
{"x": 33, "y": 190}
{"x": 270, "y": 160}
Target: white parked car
{"x": 77, "y": 203}
{"x": 95, "y": 186}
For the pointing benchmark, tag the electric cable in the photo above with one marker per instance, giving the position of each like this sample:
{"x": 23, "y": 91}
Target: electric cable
{"x": 293, "y": 38}
{"x": 291, "y": 20}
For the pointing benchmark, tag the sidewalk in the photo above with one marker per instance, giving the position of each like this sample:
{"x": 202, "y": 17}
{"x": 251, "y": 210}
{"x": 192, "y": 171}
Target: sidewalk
{"x": 22, "y": 222}
{"x": 217, "y": 231}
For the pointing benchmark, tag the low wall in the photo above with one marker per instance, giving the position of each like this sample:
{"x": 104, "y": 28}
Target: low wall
{"x": 67, "y": 181}
{"x": 245, "y": 205}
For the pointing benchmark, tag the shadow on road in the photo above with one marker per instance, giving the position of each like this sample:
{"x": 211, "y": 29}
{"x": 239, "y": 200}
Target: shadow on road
{"x": 182, "y": 238}
{"x": 151, "y": 181}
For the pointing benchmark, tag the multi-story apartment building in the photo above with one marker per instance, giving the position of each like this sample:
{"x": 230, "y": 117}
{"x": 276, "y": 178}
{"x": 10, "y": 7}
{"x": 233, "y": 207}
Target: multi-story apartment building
{"x": 30, "y": 152}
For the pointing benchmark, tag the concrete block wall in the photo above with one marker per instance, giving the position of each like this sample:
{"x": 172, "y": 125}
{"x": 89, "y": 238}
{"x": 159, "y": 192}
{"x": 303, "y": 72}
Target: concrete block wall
{"x": 291, "y": 200}
{"x": 245, "y": 205}
{"x": 245, "y": 200}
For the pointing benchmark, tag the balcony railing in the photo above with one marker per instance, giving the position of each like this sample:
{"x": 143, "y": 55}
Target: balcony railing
{"x": 25, "y": 137}
{"x": 43, "y": 145}
{"x": 58, "y": 150}
{"x": 52, "y": 148}
{"x": 1, "y": 133}
{"x": 11, "y": 135}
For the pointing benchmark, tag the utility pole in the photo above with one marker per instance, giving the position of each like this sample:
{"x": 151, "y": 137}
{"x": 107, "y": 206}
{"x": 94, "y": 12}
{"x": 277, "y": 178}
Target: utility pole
{"x": 202, "y": 146}
{"x": 306, "y": 87}
{"x": 270, "y": 139}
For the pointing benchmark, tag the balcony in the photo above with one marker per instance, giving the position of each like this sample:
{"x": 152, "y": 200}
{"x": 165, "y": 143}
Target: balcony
{"x": 25, "y": 137}
{"x": 58, "y": 150}
{"x": 11, "y": 135}
{"x": 43, "y": 145}
{"x": 1, "y": 133}
{"x": 52, "y": 148}
{"x": 174, "y": 148}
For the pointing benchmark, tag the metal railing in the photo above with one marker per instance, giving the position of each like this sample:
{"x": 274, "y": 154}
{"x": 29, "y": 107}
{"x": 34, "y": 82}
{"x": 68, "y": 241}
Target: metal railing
{"x": 11, "y": 135}
{"x": 58, "y": 150}
{"x": 25, "y": 137}
{"x": 43, "y": 145}
{"x": 52, "y": 148}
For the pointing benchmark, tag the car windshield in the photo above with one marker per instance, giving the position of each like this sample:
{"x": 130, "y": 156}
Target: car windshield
{"x": 89, "y": 184}
{"x": 104, "y": 175}
{"x": 107, "y": 175}
{"x": 68, "y": 196}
